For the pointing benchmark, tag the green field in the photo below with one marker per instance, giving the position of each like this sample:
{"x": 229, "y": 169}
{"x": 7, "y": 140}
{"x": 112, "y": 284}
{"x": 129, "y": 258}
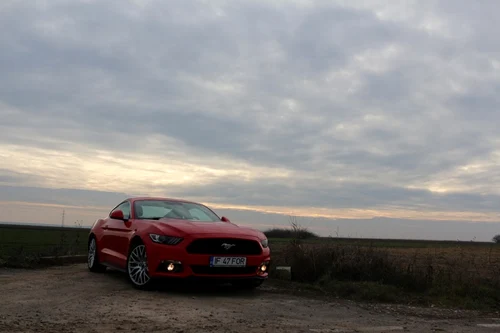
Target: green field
{"x": 387, "y": 243}
{"x": 21, "y": 244}
{"x": 31, "y": 240}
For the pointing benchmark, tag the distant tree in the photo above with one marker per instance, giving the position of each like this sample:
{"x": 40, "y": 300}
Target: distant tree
{"x": 296, "y": 231}
{"x": 496, "y": 239}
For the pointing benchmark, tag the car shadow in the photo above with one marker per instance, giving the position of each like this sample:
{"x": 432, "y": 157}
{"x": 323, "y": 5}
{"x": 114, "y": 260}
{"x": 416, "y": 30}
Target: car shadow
{"x": 191, "y": 288}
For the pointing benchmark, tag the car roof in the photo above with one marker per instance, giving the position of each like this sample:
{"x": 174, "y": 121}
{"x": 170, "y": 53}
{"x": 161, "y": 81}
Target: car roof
{"x": 133, "y": 199}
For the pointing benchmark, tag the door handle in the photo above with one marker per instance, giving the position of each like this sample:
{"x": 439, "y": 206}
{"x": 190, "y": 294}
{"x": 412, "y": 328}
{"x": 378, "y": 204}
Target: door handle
{"x": 105, "y": 227}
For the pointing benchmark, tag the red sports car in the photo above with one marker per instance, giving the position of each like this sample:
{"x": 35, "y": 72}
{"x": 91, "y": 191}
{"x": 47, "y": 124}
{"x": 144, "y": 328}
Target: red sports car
{"x": 149, "y": 238}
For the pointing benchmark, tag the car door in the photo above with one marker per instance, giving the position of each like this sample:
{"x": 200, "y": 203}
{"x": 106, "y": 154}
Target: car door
{"x": 117, "y": 234}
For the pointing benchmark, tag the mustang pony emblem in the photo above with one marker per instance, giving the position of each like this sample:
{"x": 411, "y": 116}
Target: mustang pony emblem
{"x": 227, "y": 246}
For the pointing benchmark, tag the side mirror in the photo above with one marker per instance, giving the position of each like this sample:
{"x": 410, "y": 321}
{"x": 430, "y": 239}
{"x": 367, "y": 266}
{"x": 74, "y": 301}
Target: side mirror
{"x": 117, "y": 215}
{"x": 225, "y": 219}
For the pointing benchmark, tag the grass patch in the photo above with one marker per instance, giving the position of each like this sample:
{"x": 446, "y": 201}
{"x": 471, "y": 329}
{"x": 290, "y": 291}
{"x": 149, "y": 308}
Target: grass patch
{"x": 24, "y": 245}
{"x": 464, "y": 277}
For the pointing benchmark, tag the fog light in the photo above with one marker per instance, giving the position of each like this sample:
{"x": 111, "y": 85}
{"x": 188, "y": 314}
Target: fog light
{"x": 264, "y": 267}
{"x": 170, "y": 266}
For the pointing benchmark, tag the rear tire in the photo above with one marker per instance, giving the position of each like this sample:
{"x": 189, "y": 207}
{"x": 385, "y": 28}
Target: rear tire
{"x": 137, "y": 267}
{"x": 93, "y": 257}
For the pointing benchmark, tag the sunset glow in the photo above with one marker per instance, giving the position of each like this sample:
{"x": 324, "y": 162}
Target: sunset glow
{"x": 366, "y": 114}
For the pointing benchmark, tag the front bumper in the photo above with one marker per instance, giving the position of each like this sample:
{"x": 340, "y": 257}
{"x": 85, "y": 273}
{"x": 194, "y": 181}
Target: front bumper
{"x": 197, "y": 266}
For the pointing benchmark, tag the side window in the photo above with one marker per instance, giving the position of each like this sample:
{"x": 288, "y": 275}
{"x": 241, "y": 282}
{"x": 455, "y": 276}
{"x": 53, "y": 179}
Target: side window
{"x": 125, "y": 208}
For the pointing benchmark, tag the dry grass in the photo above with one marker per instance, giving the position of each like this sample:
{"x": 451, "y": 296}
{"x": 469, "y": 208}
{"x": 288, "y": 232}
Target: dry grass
{"x": 465, "y": 276}
{"x": 481, "y": 262}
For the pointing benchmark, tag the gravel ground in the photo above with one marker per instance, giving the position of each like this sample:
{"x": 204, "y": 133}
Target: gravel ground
{"x": 71, "y": 299}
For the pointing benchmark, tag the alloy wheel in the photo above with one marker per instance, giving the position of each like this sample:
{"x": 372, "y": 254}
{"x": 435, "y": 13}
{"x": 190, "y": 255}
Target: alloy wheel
{"x": 138, "y": 266}
{"x": 91, "y": 253}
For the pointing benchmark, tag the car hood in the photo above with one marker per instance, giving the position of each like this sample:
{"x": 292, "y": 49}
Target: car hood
{"x": 183, "y": 227}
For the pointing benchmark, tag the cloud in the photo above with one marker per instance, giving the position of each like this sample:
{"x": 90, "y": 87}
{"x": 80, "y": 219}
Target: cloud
{"x": 344, "y": 106}
{"x": 83, "y": 207}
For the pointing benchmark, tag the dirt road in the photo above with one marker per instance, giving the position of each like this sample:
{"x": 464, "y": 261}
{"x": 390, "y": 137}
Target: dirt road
{"x": 71, "y": 299}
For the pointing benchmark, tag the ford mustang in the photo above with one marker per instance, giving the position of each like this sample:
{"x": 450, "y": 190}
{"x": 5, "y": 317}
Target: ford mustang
{"x": 152, "y": 238}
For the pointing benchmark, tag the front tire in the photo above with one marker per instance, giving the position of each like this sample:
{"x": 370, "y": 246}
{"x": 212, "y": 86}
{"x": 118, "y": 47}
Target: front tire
{"x": 137, "y": 267}
{"x": 93, "y": 257}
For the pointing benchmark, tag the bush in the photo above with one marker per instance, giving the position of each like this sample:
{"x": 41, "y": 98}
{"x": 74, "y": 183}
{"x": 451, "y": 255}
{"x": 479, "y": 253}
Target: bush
{"x": 287, "y": 233}
{"x": 295, "y": 231}
{"x": 349, "y": 263}
{"x": 496, "y": 239}
{"x": 331, "y": 264}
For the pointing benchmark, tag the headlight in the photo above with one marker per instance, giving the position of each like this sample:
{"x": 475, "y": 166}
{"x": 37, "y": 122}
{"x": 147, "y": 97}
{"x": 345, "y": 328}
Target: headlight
{"x": 264, "y": 242}
{"x": 162, "y": 239}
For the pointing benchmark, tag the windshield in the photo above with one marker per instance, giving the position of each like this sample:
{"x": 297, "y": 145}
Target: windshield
{"x": 157, "y": 209}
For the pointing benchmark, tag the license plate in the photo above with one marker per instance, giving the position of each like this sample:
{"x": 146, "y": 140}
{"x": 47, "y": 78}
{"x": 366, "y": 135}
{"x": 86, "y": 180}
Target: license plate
{"x": 228, "y": 261}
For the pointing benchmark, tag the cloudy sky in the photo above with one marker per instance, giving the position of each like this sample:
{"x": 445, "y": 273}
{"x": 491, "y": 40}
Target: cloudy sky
{"x": 378, "y": 118}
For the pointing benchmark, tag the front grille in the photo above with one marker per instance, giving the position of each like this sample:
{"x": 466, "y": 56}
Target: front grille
{"x": 214, "y": 246}
{"x": 223, "y": 270}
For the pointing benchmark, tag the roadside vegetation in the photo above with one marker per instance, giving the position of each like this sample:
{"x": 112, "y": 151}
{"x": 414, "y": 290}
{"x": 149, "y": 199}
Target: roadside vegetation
{"x": 447, "y": 274}
{"x": 496, "y": 239}
{"x": 296, "y": 231}
{"x": 444, "y": 273}
{"x": 24, "y": 245}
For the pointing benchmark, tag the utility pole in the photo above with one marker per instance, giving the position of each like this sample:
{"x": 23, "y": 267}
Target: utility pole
{"x": 62, "y": 224}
